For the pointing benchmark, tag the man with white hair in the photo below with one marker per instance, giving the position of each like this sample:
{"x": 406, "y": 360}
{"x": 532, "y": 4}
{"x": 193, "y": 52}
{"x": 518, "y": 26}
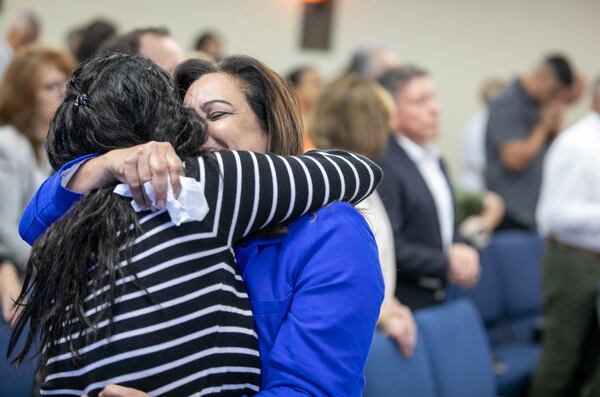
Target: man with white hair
{"x": 24, "y": 29}
{"x": 569, "y": 216}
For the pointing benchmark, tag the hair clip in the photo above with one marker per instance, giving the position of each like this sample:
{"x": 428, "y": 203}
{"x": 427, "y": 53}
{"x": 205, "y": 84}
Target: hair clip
{"x": 82, "y": 100}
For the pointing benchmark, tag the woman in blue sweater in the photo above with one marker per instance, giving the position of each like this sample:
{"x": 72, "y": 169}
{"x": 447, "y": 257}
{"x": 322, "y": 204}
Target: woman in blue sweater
{"x": 315, "y": 286}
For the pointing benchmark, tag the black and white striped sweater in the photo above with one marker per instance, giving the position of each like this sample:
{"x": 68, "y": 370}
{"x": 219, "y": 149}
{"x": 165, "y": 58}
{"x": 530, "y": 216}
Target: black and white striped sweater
{"x": 185, "y": 326}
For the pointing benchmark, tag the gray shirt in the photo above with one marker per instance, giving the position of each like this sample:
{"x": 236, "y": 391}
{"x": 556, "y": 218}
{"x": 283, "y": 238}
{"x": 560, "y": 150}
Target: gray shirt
{"x": 20, "y": 176}
{"x": 512, "y": 116}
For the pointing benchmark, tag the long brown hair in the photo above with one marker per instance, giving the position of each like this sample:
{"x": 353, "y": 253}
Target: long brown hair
{"x": 18, "y": 88}
{"x": 352, "y": 114}
{"x": 270, "y": 97}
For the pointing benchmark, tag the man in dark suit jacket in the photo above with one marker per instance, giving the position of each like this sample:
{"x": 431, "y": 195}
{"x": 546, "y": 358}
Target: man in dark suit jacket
{"x": 418, "y": 197}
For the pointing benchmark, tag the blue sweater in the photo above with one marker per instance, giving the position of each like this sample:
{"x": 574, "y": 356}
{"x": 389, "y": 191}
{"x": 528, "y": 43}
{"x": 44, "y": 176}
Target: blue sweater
{"x": 315, "y": 293}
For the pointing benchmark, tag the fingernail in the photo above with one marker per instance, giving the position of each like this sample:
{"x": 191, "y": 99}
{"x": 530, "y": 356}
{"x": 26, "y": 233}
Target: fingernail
{"x": 160, "y": 204}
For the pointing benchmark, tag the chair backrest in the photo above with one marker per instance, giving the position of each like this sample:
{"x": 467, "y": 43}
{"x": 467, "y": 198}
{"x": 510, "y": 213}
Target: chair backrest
{"x": 389, "y": 374}
{"x": 518, "y": 256}
{"x": 458, "y": 350}
{"x": 508, "y": 295}
{"x": 13, "y": 382}
{"x": 487, "y": 296}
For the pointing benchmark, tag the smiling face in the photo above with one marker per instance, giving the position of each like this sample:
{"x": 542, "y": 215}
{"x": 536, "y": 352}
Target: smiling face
{"x": 231, "y": 122}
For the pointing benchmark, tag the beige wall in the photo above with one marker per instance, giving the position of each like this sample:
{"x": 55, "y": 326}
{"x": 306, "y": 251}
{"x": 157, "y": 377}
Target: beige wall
{"x": 461, "y": 41}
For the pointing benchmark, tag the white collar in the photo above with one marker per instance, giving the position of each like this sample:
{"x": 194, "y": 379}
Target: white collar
{"x": 418, "y": 153}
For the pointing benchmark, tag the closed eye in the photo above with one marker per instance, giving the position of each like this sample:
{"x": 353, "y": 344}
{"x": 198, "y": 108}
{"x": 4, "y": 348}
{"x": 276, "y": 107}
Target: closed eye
{"x": 212, "y": 116}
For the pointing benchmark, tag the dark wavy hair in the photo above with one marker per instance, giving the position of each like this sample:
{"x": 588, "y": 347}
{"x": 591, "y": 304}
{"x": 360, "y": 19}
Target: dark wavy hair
{"x": 111, "y": 102}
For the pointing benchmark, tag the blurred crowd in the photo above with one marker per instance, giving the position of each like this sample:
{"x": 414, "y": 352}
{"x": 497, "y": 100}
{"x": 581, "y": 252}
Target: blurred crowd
{"x": 522, "y": 169}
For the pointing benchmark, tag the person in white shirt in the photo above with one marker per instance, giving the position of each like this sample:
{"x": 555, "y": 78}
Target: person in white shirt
{"x": 473, "y": 143}
{"x": 568, "y": 215}
{"x": 24, "y": 30}
{"x": 477, "y": 227}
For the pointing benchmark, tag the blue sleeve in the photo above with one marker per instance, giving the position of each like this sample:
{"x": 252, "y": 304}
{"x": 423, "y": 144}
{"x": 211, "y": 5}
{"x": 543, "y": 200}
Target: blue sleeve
{"x": 49, "y": 203}
{"x": 322, "y": 346}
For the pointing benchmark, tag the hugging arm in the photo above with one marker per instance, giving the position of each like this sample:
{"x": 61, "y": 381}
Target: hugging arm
{"x": 302, "y": 184}
{"x": 250, "y": 191}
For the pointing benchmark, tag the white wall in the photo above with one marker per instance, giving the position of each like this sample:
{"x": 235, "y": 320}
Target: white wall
{"x": 461, "y": 41}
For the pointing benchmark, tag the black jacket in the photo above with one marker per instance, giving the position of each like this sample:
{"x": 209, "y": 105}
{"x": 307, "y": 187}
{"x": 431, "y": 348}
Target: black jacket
{"x": 420, "y": 258}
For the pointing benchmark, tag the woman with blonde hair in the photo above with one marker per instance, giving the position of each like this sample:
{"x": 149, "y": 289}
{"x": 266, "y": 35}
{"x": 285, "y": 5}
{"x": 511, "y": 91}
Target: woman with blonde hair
{"x": 30, "y": 93}
{"x": 356, "y": 114}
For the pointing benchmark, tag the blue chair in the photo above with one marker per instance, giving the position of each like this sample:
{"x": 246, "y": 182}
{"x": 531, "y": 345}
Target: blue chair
{"x": 518, "y": 256}
{"x": 458, "y": 349}
{"x": 487, "y": 296}
{"x": 509, "y": 299}
{"x": 389, "y": 374}
{"x": 515, "y": 363}
{"x": 14, "y": 382}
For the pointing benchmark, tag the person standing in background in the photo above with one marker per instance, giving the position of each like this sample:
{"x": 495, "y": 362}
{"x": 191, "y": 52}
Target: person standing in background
{"x": 73, "y": 39}
{"x": 372, "y": 62}
{"x": 473, "y": 178}
{"x": 356, "y": 114}
{"x": 154, "y": 43}
{"x": 29, "y": 95}
{"x": 418, "y": 196}
{"x": 24, "y": 30}
{"x": 93, "y": 37}
{"x": 480, "y": 210}
{"x": 568, "y": 215}
{"x": 307, "y": 84}
{"x": 210, "y": 44}
{"x": 523, "y": 119}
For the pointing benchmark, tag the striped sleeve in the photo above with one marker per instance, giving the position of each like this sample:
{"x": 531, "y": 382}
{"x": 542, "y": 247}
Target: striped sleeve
{"x": 251, "y": 191}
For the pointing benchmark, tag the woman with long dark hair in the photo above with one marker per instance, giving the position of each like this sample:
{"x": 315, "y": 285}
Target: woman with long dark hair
{"x": 124, "y": 297}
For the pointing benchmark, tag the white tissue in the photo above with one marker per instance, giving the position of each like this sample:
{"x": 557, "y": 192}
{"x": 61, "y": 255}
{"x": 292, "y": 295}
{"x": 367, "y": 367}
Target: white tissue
{"x": 190, "y": 206}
